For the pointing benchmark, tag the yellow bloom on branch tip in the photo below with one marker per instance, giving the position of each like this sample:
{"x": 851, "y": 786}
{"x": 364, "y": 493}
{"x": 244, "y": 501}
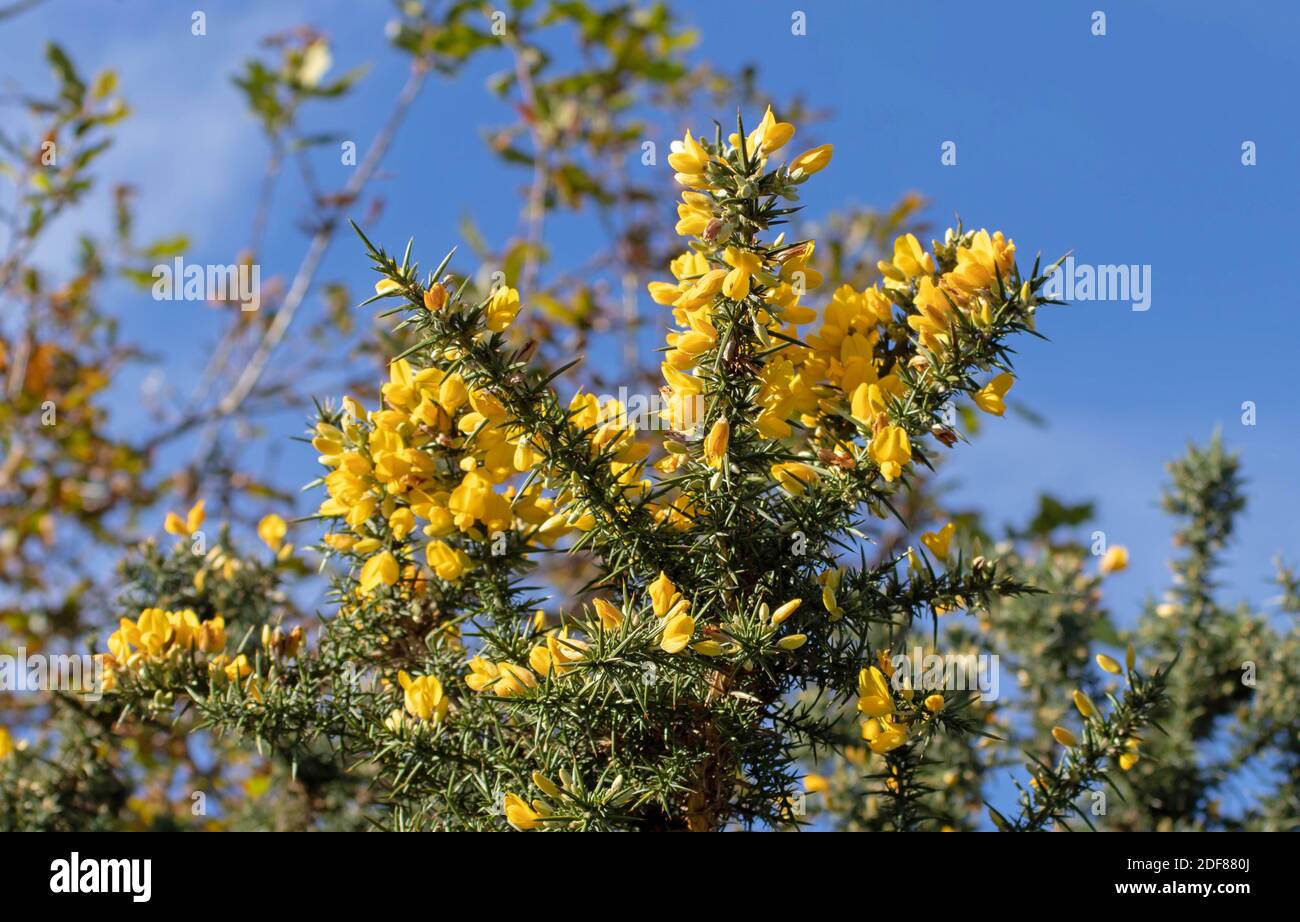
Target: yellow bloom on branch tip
{"x": 939, "y": 542}
{"x": 272, "y": 530}
{"x": 423, "y": 697}
{"x": 610, "y": 617}
{"x": 677, "y": 633}
{"x": 884, "y": 735}
{"x": 384, "y": 286}
{"x": 812, "y": 161}
{"x": 934, "y": 703}
{"x": 192, "y": 522}
{"x": 1084, "y": 704}
{"x": 435, "y": 299}
{"x": 502, "y": 308}
{"x": 874, "y": 696}
{"x": 545, "y": 785}
{"x": 450, "y": 563}
{"x": 1064, "y": 737}
{"x": 910, "y": 261}
{"x": 743, "y": 265}
{"x": 785, "y": 611}
{"x": 688, "y": 157}
{"x": 663, "y": 594}
{"x": 1115, "y": 559}
{"x": 794, "y": 476}
{"x": 6, "y": 743}
{"x": 1127, "y": 760}
{"x": 990, "y": 397}
{"x": 520, "y": 815}
{"x": 380, "y": 569}
{"x": 1108, "y": 664}
{"x": 792, "y": 642}
{"x": 815, "y": 784}
{"x": 715, "y": 443}
{"x": 891, "y": 450}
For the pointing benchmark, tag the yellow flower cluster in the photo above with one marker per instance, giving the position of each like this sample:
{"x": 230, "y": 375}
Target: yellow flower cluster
{"x": 443, "y": 458}
{"x": 423, "y": 698}
{"x": 844, "y": 367}
{"x": 431, "y": 458}
{"x": 884, "y": 729}
{"x": 1088, "y": 710}
{"x": 158, "y": 634}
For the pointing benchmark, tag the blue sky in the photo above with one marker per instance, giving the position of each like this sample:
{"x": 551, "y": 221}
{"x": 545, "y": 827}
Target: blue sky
{"x": 1123, "y": 148}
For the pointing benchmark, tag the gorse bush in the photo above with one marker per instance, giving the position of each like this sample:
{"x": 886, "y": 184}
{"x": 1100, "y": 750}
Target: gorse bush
{"x": 737, "y": 595}
{"x": 732, "y": 621}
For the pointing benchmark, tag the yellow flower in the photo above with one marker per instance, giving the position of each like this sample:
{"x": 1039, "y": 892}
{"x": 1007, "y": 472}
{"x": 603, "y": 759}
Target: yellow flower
{"x": 990, "y": 397}
{"x": 234, "y": 669}
{"x": 502, "y": 309}
{"x": 1127, "y": 760}
{"x": 694, "y": 214}
{"x": 1084, "y": 704}
{"x": 689, "y": 159}
{"x": 385, "y": 285}
{"x": 155, "y": 630}
{"x": 546, "y": 785}
{"x": 435, "y": 299}
{"x": 482, "y": 673}
{"x": 934, "y": 703}
{"x": 890, "y": 449}
{"x": 715, "y": 444}
{"x": 211, "y": 635}
{"x": 811, "y": 161}
{"x": 1108, "y": 664}
{"x": 379, "y": 569}
{"x": 663, "y": 595}
{"x": 610, "y": 616}
{"x": 702, "y": 291}
{"x": 785, "y": 611}
{"x": 794, "y": 476}
{"x": 939, "y": 542}
{"x": 792, "y": 641}
{"x": 520, "y": 815}
{"x": 565, "y": 651}
{"x": 743, "y": 264}
{"x": 884, "y": 735}
{"x": 910, "y": 261}
{"x": 1064, "y": 736}
{"x": 1116, "y": 559}
{"x": 6, "y": 743}
{"x": 192, "y": 522}
{"x": 677, "y": 633}
{"x": 401, "y": 522}
{"x": 513, "y": 680}
{"x": 769, "y": 137}
{"x": 272, "y": 530}
{"x": 450, "y": 563}
{"x": 874, "y": 696}
{"x": 423, "y": 697}
{"x": 815, "y": 784}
